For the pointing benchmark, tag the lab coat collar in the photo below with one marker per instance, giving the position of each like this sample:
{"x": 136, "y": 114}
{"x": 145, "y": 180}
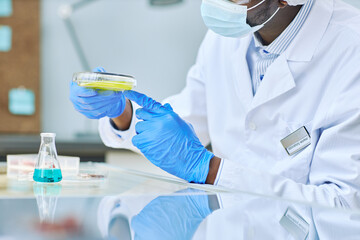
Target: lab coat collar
{"x": 304, "y": 45}
{"x": 302, "y": 49}
{"x": 275, "y": 82}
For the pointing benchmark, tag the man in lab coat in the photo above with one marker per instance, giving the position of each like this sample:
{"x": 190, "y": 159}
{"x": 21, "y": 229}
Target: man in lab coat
{"x": 275, "y": 90}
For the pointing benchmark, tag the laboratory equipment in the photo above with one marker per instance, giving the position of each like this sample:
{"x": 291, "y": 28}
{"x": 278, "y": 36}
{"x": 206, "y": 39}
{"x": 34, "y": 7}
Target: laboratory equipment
{"x": 105, "y": 81}
{"x": 19, "y": 166}
{"x": 47, "y": 168}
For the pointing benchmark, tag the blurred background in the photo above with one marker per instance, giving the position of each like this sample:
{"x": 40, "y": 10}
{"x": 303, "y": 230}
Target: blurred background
{"x": 154, "y": 40}
{"x": 43, "y": 42}
{"x": 156, "y": 43}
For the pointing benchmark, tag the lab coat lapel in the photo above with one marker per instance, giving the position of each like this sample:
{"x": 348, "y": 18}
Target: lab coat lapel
{"x": 278, "y": 78}
{"x": 277, "y": 81}
{"x": 242, "y": 81}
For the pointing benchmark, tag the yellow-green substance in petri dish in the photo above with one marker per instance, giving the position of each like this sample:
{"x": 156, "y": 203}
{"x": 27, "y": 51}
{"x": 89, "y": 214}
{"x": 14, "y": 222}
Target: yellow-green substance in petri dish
{"x": 107, "y": 85}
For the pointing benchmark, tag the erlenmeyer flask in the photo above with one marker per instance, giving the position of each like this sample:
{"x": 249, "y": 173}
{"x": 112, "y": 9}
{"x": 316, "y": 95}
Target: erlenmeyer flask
{"x": 47, "y": 168}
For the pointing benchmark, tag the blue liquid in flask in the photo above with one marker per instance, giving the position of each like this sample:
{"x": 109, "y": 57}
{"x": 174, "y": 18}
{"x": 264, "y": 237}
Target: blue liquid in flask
{"x": 47, "y": 167}
{"x": 47, "y": 175}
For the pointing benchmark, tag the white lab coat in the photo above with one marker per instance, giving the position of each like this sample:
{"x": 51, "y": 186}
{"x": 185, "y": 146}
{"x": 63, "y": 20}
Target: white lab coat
{"x": 315, "y": 83}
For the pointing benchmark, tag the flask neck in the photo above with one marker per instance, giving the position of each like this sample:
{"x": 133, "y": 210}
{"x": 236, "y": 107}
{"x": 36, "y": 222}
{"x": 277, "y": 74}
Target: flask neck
{"x": 48, "y": 140}
{"x": 47, "y": 147}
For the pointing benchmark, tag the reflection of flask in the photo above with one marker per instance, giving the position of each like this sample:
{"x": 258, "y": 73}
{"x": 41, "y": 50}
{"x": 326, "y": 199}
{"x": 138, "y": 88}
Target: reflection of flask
{"x": 46, "y": 198}
{"x": 47, "y": 168}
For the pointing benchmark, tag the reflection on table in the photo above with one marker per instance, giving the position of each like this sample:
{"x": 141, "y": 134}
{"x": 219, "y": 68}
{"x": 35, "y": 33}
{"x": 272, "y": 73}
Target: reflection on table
{"x": 133, "y": 205}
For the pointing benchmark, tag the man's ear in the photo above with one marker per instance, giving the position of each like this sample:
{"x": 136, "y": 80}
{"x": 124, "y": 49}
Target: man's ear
{"x": 282, "y": 3}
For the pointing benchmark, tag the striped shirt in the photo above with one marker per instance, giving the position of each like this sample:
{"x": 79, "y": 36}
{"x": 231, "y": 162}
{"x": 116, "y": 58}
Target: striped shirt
{"x": 260, "y": 57}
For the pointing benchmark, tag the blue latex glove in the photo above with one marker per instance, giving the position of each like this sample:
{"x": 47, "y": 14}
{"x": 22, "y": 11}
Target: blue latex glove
{"x": 171, "y": 217}
{"x": 96, "y": 104}
{"x": 168, "y": 141}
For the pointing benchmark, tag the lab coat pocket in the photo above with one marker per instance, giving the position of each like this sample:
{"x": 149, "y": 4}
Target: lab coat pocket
{"x": 297, "y": 165}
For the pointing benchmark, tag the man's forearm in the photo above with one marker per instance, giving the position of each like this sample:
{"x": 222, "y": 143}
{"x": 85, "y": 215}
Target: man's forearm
{"x": 123, "y": 121}
{"x": 213, "y": 170}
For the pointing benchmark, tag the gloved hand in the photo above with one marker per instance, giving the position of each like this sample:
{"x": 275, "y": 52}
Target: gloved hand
{"x": 171, "y": 217}
{"x": 168, "y": 141}
{"x": 96, "y": 104}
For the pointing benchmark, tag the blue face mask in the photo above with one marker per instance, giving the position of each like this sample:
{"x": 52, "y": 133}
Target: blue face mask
{"x": 229, "y": 19}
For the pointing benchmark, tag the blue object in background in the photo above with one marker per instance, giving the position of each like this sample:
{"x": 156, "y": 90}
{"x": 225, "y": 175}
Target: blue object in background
{"x": 5, "y": 38}
{"x": 21, "y": 101}
{"x": 5, "y": 8}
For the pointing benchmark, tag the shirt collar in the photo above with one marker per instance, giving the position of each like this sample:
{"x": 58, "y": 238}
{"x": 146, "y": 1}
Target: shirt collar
{"x": 282, "y": 42}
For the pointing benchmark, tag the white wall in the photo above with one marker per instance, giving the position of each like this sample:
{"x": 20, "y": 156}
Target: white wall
{"x": 155, "y": 44}
{"x": 356, "y": 3}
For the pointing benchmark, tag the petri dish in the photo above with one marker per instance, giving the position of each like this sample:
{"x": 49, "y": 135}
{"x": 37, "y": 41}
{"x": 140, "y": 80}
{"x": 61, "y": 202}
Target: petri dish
{"x": 105, "y": 81}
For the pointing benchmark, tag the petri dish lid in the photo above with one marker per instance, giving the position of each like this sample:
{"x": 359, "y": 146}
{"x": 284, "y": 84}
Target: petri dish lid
{"x": 105, "y": 81}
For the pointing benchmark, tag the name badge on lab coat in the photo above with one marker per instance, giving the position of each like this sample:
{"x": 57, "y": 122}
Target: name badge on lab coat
{"x": 296, "y": 141}
{"x": 295, "y": 224}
